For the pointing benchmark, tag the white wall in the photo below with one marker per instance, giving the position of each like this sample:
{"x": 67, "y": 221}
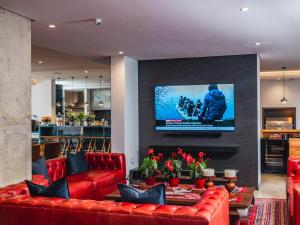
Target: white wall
{"x": 271, "y": 93}
{"x": 43, "y": 99}
{"x": 131, "y": 112}
{"x": 124, "y": 108}
{"x": 258, "y": 122}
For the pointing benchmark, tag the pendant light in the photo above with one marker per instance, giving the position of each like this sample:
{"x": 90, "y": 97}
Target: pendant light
{"x": 284, "y": 99}
{"x": 58, "y": 104}
{"x": 86, "y": 78}
{"x": 100, "y": 103}
{"x": 72, "y": 103}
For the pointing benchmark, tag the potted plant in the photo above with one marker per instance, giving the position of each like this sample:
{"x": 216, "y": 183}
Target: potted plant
{"x": 173, "y": 167}
{"x": 71, "y": 118}
{"x": 89, "y": 118}
{"x": 46, "y": 120}
{"x": 80, "y": 118}
{"x": 149, "y": 167}
{"x": 197, "y": 168}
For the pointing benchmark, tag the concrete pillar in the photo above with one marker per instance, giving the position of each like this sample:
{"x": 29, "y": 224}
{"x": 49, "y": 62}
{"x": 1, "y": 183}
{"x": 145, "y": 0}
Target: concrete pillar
{"x": 15, "y": 104}
{"x": 124, "y": 109}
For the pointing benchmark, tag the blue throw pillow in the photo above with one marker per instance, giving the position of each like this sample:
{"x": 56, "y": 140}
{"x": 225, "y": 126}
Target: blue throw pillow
{"x": 76, "y": 163}
{"x": 154, "y": 195}
{"x": 39, "y": 167}
{"x": 58, "y": 189}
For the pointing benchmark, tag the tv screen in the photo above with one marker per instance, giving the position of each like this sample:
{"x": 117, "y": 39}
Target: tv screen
{"x": 195, "y": 107}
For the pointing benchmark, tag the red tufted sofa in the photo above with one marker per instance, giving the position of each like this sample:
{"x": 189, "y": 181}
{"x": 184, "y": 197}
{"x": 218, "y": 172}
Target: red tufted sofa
{"x": 106, "y": 170}
{"x": 213, "y": 209}
{"x": 293, "y": 191}
{"x": 18, "y": 208}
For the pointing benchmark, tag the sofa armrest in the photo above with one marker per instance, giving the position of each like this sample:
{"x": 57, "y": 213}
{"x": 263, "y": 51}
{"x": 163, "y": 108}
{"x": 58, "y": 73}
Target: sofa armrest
{"x": 296, "y": 203}
{"x": 218, "y": 200}
{"x": 106, "y": 161}
{"x": 293, "y": 168}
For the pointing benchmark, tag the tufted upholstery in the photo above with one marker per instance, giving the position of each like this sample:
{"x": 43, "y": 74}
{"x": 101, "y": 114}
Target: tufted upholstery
{"x": 293, "y": 167}
{"x": 56, "y": 168}
{"x": 21, "y": 188}
{"x": 213, "y": 209}
{"x": 17, "y": 207}
{"x": 293, "y": 190}
{"x": 105, "y": 161}
{"x": 105, "y": 170}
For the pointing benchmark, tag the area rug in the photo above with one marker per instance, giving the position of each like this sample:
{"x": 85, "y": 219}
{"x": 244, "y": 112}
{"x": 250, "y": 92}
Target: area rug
{"x": 267, "y": 211}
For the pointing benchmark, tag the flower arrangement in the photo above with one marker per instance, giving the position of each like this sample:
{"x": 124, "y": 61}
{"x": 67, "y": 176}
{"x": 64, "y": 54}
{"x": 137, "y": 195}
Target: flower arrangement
{"x": 149, "y": 167}
{"x": 80, "y": 117}
{"x": 89, "y": 117}
{"x": 198, "y": 166}
{"x": 173, "y": 166}
{"x": 71, "y": 116}
{"x": 46, "y": 119}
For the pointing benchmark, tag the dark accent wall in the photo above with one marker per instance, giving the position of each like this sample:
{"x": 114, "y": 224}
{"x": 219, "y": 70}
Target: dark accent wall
{"x": 241, "y": 70}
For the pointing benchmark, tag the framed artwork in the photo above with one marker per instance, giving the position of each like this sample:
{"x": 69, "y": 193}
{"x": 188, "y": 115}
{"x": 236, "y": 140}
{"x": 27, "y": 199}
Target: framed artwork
{"x": 105, "y": 98}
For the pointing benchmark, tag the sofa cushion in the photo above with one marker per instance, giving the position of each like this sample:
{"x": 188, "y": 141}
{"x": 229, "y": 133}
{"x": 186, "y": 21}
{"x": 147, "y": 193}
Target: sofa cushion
{"x": 39, "y": 167}
{"x": 76, "y": 163}
{"x": 56, "y": 168}
{"x": 291, "y": 181}
{"x": 103, "y": 177}
{"x": 80, "y": 189}
{"x": 57, "y": 189}
{"x": 154, "y": 195}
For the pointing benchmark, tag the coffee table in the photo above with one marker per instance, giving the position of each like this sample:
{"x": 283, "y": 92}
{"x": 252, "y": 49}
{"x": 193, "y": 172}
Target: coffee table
{"x": 240, "y": 203}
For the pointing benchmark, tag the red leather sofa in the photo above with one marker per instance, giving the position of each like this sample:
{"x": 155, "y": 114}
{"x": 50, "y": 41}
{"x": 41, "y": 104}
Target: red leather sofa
{"x": 106, "y": 170}
{"x": 17, "y": 207}
{"x": 213, "y": 209}
{"x": 293, "y": 191}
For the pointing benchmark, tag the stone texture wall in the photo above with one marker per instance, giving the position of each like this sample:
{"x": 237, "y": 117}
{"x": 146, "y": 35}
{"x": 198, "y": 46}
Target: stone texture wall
{"x": 240, "y": 70}
{"x": 15, "y": 104}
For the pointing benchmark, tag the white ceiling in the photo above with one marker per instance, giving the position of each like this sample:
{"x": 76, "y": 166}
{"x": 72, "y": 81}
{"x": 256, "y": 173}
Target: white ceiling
{"x": 149, "y": 29}
{"x": 64, "y": 66}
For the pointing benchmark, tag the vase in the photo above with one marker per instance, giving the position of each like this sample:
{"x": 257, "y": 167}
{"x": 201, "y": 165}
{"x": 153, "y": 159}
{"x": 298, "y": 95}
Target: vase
{"x": 199, "y": 183}
{"x": 173, "y": 181}
{"x": 209, "y": 183}
{"x": 150, "y": 180}
{"x": 230, "y": 185}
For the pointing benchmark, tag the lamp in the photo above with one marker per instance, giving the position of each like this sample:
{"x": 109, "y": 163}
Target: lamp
{"x": 86, "y": 78}
{"x": 284, "y": 99}
{"x": 100, "y": 103}
{"x": 72, "y": 103}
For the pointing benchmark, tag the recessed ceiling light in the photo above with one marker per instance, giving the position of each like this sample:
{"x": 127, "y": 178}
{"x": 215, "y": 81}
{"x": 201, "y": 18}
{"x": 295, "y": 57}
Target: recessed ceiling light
{"x": 40, "y": 62}
{"x": 257, "y": 44}
{"x": 52, "y": 26}
{"x": 121, "y": 52}
{"x": 86, "y": 71}
{"x": 244, "y": 9}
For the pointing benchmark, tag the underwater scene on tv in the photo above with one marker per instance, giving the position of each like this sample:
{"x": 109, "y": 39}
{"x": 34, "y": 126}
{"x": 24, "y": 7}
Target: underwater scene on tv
{"x": 195, "y": 107}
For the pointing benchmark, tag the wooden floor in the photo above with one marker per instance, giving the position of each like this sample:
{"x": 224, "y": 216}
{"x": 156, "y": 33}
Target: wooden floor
{"x": 272, "y": 186}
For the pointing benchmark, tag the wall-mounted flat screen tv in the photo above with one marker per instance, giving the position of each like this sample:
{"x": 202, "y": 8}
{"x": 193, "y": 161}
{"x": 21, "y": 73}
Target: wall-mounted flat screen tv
{"x": 195, "y": 107}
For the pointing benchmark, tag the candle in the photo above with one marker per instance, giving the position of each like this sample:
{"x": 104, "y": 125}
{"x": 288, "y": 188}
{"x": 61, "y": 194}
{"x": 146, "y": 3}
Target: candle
{"x": 209, "y": 172}
{"x": 229, "y": 173}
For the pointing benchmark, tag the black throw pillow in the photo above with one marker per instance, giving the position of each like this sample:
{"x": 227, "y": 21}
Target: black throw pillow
{"x": 76, "y": 163}
{"x": 154, "y": 195}
{"x": 39, "y": 167}
{"x": 58, "y": 189}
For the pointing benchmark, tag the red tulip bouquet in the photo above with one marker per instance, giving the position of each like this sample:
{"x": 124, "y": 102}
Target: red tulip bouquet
{"x": 149, "y": 167}
{"x": 173, "y": 167}
{"x": 197, "y": 168}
